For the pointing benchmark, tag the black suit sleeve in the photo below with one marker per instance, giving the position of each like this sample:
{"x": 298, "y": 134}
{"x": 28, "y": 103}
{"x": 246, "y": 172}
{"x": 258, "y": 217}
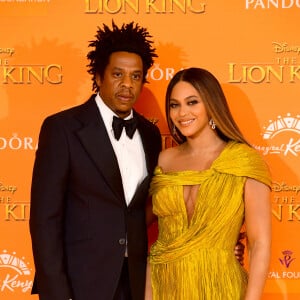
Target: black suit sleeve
{"x": 48, "y": 188}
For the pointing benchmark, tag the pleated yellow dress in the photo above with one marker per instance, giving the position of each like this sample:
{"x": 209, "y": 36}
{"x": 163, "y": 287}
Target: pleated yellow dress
{"x": 194, "y": 259}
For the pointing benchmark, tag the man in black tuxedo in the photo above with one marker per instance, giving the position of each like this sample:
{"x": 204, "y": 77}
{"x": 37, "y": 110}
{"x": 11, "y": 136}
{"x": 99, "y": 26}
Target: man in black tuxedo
{"x": 90, "y": 184}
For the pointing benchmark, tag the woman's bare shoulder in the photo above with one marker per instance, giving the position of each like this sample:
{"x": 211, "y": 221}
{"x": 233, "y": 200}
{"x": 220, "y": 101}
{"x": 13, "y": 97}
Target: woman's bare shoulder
{"x": 167, "y": 156}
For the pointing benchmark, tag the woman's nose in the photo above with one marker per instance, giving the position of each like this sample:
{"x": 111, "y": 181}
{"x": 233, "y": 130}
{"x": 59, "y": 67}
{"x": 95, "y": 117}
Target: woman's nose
{"x": 182, "y": 110}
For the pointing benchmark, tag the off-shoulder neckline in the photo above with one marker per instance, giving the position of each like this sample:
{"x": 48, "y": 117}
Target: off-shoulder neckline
{"x": 196, "y": 171}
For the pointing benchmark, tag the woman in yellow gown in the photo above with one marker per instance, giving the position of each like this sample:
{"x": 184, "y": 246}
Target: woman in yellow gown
{"x": 203, "y": 191}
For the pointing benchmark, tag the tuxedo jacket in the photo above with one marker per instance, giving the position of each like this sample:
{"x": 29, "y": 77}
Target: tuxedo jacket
{"x": 79, "y": 220}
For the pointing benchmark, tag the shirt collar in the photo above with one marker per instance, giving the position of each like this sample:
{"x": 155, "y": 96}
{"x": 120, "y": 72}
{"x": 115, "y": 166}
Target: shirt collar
{"x": 106, "y": 113}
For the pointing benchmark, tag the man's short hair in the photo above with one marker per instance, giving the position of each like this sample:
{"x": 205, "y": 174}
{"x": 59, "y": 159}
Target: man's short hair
{"x": 129, "y": 37}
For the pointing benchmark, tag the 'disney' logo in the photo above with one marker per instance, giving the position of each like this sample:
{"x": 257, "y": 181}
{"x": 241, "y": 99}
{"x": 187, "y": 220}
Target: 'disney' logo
{"x": 14, "y": 273}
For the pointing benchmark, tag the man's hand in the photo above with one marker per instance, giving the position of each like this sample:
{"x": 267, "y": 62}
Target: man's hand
{"x": 239, "y": 249}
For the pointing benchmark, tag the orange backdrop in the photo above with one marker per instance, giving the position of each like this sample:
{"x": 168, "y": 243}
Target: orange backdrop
{"x": 253, "y": 48}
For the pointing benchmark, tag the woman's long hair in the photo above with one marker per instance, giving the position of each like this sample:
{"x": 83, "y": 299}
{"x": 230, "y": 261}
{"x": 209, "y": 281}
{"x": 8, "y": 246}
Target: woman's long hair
{"x": 215, "y": 102}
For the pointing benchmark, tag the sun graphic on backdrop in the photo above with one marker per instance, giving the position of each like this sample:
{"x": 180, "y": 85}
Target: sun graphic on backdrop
{"x": 282, "y": 124}
{"x": 13, "y": 262}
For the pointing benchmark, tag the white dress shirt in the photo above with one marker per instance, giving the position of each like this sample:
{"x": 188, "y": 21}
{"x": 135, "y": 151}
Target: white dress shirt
{"x": 129, "y": 152}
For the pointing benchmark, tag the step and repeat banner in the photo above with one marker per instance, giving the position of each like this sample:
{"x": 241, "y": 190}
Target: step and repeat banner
{"x": 252, "y": 47}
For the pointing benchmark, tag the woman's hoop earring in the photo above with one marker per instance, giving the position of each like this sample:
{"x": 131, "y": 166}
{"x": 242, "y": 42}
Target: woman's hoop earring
{"x": 212, "y": 124}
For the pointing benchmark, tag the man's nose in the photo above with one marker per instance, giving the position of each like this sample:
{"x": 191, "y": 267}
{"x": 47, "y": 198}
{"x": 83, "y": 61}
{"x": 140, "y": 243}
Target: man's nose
{"x": 127, "y": 81}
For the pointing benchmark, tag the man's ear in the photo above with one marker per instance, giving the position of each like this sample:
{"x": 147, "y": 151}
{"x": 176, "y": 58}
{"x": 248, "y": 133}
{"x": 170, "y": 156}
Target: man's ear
{"x": 98, "y": 80}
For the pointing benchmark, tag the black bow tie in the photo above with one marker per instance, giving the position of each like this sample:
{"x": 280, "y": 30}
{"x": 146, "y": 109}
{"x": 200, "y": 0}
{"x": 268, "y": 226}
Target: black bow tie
{"x": 118, "y": 124}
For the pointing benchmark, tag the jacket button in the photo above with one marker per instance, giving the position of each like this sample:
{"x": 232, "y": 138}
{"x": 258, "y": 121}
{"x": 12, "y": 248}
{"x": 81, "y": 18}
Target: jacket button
{"x": 122, "y": 241}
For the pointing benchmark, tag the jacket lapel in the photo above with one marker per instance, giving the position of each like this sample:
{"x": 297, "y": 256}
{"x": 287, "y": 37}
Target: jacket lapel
{"x": 150, "y": 156}
{"x": 145, "y": 134}
{"x": 95, "y": 140}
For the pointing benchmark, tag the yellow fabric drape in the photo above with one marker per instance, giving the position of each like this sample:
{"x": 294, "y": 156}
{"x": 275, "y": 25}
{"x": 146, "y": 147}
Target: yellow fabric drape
{"x": 194, "y": 259}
